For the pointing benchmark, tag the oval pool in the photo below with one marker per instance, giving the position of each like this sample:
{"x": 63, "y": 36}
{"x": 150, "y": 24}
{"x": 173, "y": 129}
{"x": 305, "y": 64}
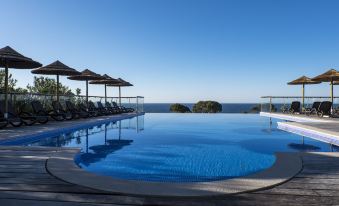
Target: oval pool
{"x": 182, "y": 147}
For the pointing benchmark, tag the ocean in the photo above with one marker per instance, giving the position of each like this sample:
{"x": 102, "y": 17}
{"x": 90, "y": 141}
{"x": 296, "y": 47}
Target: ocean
{"x": 226, "y": 107}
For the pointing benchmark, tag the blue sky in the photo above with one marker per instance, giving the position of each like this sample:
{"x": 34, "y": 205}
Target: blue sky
{"x": 180, "y": 50}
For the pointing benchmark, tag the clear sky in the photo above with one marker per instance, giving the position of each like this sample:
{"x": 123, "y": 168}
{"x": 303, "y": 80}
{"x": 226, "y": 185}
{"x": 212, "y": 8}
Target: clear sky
{"x": 180, "y": 50}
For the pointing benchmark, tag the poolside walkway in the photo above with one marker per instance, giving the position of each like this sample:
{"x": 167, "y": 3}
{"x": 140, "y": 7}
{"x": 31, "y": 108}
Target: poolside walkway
{"x": 299, "y": 117}
{"x": 323, "y": 129}
{"x": 24, "y": 180}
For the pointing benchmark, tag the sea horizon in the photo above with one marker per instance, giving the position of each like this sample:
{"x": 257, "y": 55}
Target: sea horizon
{"x": 226, "y": 107}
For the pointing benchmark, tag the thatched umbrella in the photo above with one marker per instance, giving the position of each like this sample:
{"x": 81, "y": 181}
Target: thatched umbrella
{"x": 106, "y": 80}
{"x": 122, "y": 83}
{"x": 56, "y": 68}
{"x": 329, "y": 76}
{"x": 86, "y": 75}
{"x": 302, "y": 81}
{"x": 9, "y": 58}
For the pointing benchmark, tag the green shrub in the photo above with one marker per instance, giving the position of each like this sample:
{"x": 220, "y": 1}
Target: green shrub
{"x": 179, "y": 108}
{"x": 255, "y": 109}
{"x": 207, "y": 107}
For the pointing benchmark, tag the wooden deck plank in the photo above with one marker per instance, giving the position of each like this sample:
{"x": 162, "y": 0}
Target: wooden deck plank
{"x": 66, "y": 188}
{"x": 310, "y": 186}
{"x": 72, "y": 197}
{"x": 32, "y": 181}
{"x": 9, "y": 164}
{"x": 16, "y": 202}
{"x": 24, "y": 175}
{"x": 24, "y": 170}
{"x": 316, "y": 180}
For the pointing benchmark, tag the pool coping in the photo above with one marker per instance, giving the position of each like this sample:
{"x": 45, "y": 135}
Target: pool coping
{"x": 310, "y": 131}
{"x": 61, "y": 165}
{"x": 296, "y": 118}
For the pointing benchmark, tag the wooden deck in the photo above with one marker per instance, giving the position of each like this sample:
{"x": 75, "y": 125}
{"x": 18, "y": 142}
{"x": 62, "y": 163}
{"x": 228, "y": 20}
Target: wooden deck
{"x": 24, "y": 180}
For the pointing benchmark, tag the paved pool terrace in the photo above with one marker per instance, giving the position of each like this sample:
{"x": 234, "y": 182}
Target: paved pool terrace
{"x": 49, "y": 176}
{"x": 323, "y": 129}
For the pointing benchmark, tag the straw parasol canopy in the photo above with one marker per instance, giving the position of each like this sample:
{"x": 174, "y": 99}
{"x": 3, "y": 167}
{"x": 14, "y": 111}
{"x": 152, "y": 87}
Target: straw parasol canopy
{"x": 106, "y": 80}
{"x": 56, "y": 68}
{"x": 329, "y": 76}
{"x": 302, "y": 81}
{"x": 86, "y": 75}
{"x": 122, "y": 83}
{"x": 9, "y": 58}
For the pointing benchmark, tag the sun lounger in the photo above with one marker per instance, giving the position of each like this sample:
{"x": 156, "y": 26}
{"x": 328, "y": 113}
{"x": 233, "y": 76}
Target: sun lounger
{"x": 112, "y": 109}
{"x": 294, "y": 108}
{"x": 3, "y": 121}
{"x": 103, "y": 109}
{"x": 76, "y": 112}
{"x": 58, "y": 109}
{"x": 39, "y": 110}
{"x": 115, "y": 110}
{"x": 325, "y": 109}
{"x": 15, "y": 118}
{"x": 12, "y": 118}
{"x": 100, "y": 111}
{"x": 314, "y": 109}
{"x": 122, "y": 108}
{"x": 90, "y": 111}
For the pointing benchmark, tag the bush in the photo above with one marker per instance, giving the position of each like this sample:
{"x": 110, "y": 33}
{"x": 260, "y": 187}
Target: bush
{"x": 207, "y": 107}
{"x": 179, "y": 108}
{"x": 255, "y": 109}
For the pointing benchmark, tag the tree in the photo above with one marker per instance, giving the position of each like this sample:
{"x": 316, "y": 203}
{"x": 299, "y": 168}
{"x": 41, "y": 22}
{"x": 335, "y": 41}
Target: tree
{"x": 45, "y": 85}
{"x": 179, "y": 108}
{"x": 77, "y": 91}
{"x": 11, "y": 82}
{"x": 207, "y": 107}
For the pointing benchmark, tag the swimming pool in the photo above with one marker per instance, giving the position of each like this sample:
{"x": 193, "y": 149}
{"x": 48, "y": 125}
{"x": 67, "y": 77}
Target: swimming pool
{"x": 181, "y": 147}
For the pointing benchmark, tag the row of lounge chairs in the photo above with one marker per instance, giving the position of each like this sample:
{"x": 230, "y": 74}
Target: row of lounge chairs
{"x": 318, "y": 108}
{"x": 41, "y": 115}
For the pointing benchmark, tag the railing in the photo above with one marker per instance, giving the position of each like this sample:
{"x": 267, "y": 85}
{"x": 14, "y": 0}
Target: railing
{"x": 19, "y": 100}
{"x": 279, "y": 103}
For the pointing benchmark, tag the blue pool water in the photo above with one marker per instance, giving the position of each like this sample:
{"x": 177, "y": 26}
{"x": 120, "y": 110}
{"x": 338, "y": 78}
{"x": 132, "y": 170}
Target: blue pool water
{"x": 181, "y": 147}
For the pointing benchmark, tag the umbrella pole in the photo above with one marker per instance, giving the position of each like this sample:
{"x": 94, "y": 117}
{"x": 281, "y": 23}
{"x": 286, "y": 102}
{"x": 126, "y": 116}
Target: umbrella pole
{"x": 119, "y": 130}
{"x": 87, "y": 93}
{"x": 6, "y": 92}
{"x": 105, "y": 93}
{"x": 120, "y": 96}
{"x": 105, "y": 134}
{"x": 86, "y": 140}
{"x": 303, "y": 92}
{"x": 332, "y": 95}
{"x": 57, "y": 89}
{"x": 332, "y": 91}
